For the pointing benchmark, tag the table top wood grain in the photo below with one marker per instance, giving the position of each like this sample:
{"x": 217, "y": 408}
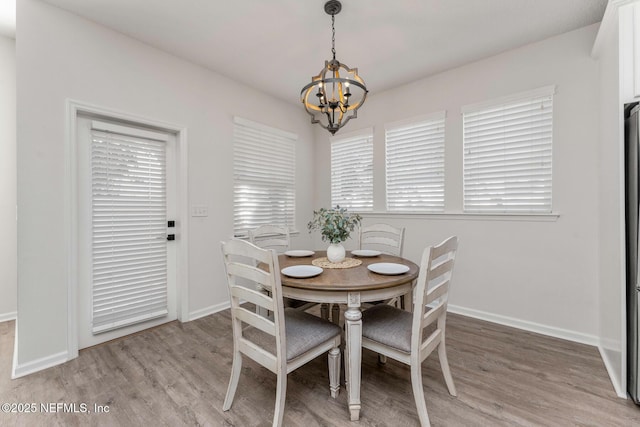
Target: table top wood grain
{"x": 348, "y": 279}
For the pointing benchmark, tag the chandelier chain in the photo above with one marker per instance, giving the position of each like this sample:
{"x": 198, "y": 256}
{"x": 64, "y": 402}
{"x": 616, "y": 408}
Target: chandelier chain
{"x": 333, "y": 35}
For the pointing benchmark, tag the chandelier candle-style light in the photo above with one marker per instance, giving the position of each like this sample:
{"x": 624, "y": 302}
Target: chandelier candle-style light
{"x": 335, "y": 94}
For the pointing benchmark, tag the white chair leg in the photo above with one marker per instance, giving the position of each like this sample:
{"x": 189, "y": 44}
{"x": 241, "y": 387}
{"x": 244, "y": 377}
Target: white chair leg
{"x": 335, "y": 314}
{"x": 233, "y": 381}
{"x": 281, "y": 396}
{"x": 444, "y": 365}
{"x": 418, "y": 394}
{"x": 324, "y": 311}
{"x": 334, "y": 371}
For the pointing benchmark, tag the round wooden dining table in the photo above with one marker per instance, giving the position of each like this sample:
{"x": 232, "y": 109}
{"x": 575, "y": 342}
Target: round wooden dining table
{"x": 351, "y": 286}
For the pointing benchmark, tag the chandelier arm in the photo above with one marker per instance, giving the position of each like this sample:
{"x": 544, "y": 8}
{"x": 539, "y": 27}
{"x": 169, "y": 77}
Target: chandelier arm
{"x": 329, "y": 121}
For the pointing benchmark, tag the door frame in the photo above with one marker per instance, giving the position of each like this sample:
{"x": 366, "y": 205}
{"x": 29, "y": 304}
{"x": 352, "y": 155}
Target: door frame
{"x": 74, "y": 108}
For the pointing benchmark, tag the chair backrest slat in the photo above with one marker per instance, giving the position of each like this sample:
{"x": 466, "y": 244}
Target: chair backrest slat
{"x": 447, "y": 246}
{"x": 236, "y": 249}
{"x": 437, "y": 291}
{"x": 249, "y": 272}
{"x": 433, "y": 314}
{"x": 383, "y": 237}
{"x": 439, "y": 270}
{"x": 251, "y": 318}
{"x": 380, "y": 240}
{"x": 252, "y": 296}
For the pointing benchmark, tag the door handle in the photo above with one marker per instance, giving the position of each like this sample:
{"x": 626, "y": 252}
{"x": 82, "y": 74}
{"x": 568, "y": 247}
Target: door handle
{"x": 166, "y": 237}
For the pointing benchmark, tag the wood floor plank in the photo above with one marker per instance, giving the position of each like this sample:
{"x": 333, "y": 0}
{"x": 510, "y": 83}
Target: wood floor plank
{"x": 177, "y": 374}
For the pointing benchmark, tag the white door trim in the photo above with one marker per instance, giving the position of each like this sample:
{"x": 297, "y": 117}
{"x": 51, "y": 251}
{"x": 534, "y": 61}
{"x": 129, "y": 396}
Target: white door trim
{"x": 74, "y": 108}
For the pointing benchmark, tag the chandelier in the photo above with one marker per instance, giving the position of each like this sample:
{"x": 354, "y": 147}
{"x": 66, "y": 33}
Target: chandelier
{"x": 335, "y": 94}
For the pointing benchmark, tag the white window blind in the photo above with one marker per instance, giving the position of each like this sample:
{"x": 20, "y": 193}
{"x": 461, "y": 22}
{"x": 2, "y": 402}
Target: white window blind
{"x": 264, "y": 165}
{"x": 415, "y": 165}
{"x": 129, "y": 249}
{"x": 352, "y": 171}
{"x": 507, "y": 154}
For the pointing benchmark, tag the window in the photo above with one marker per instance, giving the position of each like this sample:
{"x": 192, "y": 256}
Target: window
{"x": 507, "y": 154}
{"x": 415, "y": 165}
{"x": 352, "y": 171}
{"x": 264, "y": 164}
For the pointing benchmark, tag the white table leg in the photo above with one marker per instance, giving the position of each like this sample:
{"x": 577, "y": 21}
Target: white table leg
{"x": 408, "y": 299}
{"x": 353, "y": 321}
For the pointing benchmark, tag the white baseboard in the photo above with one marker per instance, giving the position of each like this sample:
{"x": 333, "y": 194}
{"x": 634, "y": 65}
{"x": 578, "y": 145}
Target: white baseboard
{"x": 538, "y": 328}
{"x": 615, "y": 381}
{"x": 5, "y": 317}
{"x": 565, "y": 334}
{"x": 193, "y": 315}
{"x": 36, "y": 365}
{"x": 24, "y": 369}
{"x": 15, "y": 351}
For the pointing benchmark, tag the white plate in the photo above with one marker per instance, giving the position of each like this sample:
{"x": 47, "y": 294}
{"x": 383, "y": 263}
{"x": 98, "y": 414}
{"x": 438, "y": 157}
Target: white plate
{"x": 301, "y": 271}
{"x": 388, "y": 268}
{"x": 299, "y": 253}
{"x": 365, "y": 252}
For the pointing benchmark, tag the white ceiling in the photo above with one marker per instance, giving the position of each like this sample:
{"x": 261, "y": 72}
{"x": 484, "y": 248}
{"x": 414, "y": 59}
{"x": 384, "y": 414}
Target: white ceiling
{"x": 277, "y": 45}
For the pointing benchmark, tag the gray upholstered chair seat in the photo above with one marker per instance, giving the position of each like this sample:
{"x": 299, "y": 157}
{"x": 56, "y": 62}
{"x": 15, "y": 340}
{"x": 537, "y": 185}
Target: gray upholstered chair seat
{"x": 303, "y": 331}
{"x": 388, "y": 325}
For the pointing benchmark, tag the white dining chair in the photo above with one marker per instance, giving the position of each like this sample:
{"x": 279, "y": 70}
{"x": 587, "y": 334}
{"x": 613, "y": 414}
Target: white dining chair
{"x": 282, "y": 343}
{"x": 403, "y": 336}
{"x": 276, "y": 237}
{"x": 388, "y": 240}
{"x": 382, "y": 237}
{"x": 271, "y": 237}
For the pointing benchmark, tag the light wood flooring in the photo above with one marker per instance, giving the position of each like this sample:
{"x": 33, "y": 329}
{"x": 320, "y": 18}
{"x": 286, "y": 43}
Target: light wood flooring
{"x": 177, "y": 375}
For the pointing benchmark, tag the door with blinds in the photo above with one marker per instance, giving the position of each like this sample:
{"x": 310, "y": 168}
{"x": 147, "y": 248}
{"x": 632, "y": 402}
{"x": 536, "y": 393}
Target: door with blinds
{"x": 127, "y": 262}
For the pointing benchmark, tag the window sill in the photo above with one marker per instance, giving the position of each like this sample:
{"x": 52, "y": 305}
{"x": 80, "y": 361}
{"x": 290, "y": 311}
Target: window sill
{"x": 463, "y": 216}
{"x": 245, "y": 236}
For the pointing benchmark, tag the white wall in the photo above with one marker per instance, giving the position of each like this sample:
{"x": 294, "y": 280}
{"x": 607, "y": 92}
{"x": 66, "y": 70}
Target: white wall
{"x": 8, "y": 260}
{"x": 612, "y": 280}
{"x": 614, "y": 52}
{"x": 541, "y": 275}
{"x": 538, "y": 275}
{"x": 62, "y": 56}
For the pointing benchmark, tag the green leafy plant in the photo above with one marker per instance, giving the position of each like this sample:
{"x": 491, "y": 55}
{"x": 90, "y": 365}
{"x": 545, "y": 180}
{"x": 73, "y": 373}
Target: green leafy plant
{"x": 335, "y": 225}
